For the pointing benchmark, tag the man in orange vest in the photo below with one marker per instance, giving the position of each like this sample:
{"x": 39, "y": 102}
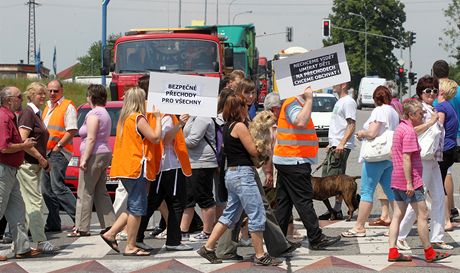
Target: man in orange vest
{"x": 295, "y": 150}
{"x": 60, "y": 117}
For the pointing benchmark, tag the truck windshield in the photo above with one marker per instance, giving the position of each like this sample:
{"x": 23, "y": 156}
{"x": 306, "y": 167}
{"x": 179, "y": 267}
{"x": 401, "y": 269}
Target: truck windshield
{"x": 323, "y": 104}
{"x": 190, "y": 56}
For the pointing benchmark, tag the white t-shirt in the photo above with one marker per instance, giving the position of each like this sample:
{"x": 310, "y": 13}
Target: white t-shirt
{"x": 388, "y": 117}
{"x": 345, "y": 108}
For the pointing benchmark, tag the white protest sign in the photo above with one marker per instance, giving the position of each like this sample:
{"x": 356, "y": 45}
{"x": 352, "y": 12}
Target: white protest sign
{"x": 318, "y": 69}
{"x": 183, "y": 94}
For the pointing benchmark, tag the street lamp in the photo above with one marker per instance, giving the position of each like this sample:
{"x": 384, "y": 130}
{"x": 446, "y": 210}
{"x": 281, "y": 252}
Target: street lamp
{"x": 244, "y": 12}
{"x": 228, "y": 11}
{"x": 365, "y": 40}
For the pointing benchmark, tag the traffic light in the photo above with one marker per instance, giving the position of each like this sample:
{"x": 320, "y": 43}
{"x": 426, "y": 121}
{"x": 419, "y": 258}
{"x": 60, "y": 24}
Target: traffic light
{"x": 401, "y": 73}
{"x": 411, "y": 38}
{"x": 326, "y": 28}
{"x": 412, "y": 77}
{"x": 289, "y": 34}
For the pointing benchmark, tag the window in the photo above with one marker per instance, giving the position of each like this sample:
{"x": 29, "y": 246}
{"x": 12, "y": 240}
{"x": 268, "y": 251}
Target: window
{"x": 114, "y": 113}
{"x": 323, "y": 104}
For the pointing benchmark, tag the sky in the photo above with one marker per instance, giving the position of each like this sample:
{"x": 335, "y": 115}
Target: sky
{"x": 72, "y": 26}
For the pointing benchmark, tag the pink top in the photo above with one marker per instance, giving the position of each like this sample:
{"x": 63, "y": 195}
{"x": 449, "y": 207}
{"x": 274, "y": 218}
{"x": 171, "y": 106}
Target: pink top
{"x": 103, "y": 133}
{"x": 405, "y": 141}
{"x": 397, "y": 106}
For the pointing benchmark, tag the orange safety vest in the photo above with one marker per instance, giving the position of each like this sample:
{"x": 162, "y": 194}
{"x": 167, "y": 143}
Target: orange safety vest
{"x": 56, "y": 125}
{"x": 129, "y": 151}
{"x": 293, "y": 141}
{"x": 180, "y": 148}
{"x": 153, "y": 152}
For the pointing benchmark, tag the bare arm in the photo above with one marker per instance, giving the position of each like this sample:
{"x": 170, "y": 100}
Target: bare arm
{"x": 43, "y": 162}
{"x": 67, "y": 138}
{"x": 92, "y": 124}
{"x": 407, "y": 166}
{"x": 351, "y": 126}
{"x": 305, "y": 114}
{"x": 441, "y": 117}
{"x": 242, "y": 132}
{"x": 371, "y": 133}
{"x": 16, "y": 147}
{"x": 423, "y": 127}
{"x": 152, "y": 135}
{"x": 171, "y": 134}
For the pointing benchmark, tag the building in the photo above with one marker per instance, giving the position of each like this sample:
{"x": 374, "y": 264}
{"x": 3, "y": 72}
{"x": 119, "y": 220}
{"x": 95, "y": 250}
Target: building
{"x": 21, "y": 70}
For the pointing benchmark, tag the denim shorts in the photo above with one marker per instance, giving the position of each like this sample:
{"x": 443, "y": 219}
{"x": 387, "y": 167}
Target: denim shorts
{"x": 138, "y": 190}
{"x": 401, "y": 196}
{"x": 243, "y": 194}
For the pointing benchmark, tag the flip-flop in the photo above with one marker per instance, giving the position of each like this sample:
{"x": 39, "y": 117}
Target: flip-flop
{"x": 136, "y": 253}
{"x": 401, "y": 258}
{"x": 79, "y": 234}
{"x": 439, "y": 256}
{"x": 379, "y": 222}
{"x": 112, "y": 243}
{"x": 352, "y": 233}
{"x": 442, "y": 245}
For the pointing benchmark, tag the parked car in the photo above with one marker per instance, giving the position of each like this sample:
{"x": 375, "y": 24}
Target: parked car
{"x": 71, "y": 176}
{"x": 366, "y": 90}
{"x": 323, "y": 105}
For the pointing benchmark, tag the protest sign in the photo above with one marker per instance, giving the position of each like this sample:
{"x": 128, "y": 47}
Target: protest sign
{"x": 318, "y": 69}
{"x": 183, "y": 94}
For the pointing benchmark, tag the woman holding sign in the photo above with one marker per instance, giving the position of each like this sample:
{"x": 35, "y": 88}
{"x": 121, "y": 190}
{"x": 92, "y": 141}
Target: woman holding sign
{"x": 128, "y": 164}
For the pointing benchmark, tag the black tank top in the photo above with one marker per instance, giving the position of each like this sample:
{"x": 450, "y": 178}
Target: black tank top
{"x": 234, "y": 149}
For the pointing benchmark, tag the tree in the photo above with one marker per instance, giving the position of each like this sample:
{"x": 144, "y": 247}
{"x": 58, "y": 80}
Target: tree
{"x": 90, "y": 64}
{"x": 383, "y": 18}
{"x": 451, "y": 34}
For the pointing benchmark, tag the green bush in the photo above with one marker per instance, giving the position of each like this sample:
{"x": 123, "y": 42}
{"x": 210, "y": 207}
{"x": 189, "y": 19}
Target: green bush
{"x": 73, "y": 91}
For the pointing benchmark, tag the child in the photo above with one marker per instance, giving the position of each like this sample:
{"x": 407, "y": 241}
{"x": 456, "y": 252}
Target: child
{"x": 406, "y": 183}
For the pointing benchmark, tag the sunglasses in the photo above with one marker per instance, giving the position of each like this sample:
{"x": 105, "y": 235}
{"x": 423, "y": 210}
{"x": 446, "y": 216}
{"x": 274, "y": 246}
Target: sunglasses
{"x": 55, "y": 91}
{"x": 430, "y": 90}
{"x": 18, "y": 96}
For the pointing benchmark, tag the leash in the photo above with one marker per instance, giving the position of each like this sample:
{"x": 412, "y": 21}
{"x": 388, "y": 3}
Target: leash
{"x": 324, "y": 162}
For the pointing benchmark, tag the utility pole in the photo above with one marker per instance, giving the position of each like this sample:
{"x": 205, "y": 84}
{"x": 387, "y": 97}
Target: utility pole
{"x": 217, "y": 12}
{"x": 180, "y": 13}
{"x": 31, "y": 42}
{"x": 205, "y": 10}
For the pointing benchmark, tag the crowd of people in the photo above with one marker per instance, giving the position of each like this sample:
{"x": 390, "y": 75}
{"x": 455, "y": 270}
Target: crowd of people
{"x": 173, "y": 163}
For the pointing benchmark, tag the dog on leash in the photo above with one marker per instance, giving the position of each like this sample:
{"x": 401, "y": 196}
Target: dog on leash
{"x": 260, "y": 130}
{"x": 343, "y": 185}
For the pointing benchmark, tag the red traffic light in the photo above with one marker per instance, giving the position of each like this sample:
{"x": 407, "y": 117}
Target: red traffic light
{"x": 401, "y": 70}
{"x": 326, "y": 23}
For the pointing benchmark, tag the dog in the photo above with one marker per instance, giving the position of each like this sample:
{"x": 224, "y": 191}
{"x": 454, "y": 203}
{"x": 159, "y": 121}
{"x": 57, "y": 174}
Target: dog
{"x": 260, "y": 130}
{"x": 343, "y": 185}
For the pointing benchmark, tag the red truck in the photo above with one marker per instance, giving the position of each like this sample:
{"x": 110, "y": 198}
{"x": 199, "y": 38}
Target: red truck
{"x": 192, "y": 51}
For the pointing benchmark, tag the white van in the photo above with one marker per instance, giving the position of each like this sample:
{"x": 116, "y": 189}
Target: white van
{"x": 323, "y": 105}
{"x": 366, "y": 90}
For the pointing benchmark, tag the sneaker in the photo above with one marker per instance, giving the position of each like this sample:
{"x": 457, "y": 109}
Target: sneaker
{"x": 402, "y": 245}
{"x": 162, "y": 235}
{"x": 325, "y": 216}
{"x": 121, "y": 236}
{"x": 200, "y": 237}
{"x": 209, "y": 255}
{"x": 453, "y": 212}
{"x": 7, "y": 238}
{"x": 144, "y": 246}
{"x": 185, "y": 236}
{"x": 181, "y": 247}
{"x": 325, "y": 241}
{"x": 47, "y": 247}
{"x": 267, "y": 260}
{"x": 245, "y": 242}
{"x": 156, "y": 231}
{"x": 234, "y": 257}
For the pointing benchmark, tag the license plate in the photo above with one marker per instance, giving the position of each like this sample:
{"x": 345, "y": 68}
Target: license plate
{"x": 112, "y": 181}
{"x": 367, "y": 97}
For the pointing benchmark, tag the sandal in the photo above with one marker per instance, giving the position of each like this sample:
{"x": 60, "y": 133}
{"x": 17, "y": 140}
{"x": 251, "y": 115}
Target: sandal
{"x": 352, "y": 233}
{"x": 379, "y": 222}
{"x": 77, "y": 233}
{"x": 400, "y": 258}
{"x": 137, "y": 252}
{"x": 442, "y": 245}
{"x": 439, "y": 256}
{"x": 112, "y": 243}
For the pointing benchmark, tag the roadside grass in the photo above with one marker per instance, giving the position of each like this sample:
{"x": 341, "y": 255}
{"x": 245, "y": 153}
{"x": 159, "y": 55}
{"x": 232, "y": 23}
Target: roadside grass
{"x": 73, "y": 91}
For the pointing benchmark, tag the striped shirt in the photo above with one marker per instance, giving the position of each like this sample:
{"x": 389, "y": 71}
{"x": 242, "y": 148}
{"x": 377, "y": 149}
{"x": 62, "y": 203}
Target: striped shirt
{"x": 405, "y": 141}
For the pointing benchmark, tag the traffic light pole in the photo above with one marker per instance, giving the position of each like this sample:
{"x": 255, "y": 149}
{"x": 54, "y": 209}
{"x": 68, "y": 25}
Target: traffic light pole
{"x": 410, "y": 70}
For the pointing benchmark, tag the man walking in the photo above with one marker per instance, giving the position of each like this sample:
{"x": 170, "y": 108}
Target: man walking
{"x": 296, "y": 149}
{"x": 11, "y": 157}
{"x": 60, "y": 117}
{"x": 341, "y": 129}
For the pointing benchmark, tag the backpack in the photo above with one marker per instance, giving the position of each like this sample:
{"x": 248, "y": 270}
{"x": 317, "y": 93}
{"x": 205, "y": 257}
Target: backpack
{"x": 219, "y": 137}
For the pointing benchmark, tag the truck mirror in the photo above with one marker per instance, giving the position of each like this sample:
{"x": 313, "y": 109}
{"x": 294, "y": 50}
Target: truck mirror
{"x": 106, "y": 67}
{"x": 228, "y": 57}
{"x": 215, "y": 66}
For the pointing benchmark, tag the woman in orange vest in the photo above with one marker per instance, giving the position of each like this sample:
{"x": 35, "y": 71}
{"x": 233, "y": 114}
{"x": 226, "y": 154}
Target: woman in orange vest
{"x": 129, "y": 165}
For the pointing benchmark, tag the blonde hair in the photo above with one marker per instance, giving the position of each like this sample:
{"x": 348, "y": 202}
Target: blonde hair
{"x": 449, "y": 87}
{"x": 133, "y": 102}
{"x": 411, "y": 106}
{"x": 33, "y": 88}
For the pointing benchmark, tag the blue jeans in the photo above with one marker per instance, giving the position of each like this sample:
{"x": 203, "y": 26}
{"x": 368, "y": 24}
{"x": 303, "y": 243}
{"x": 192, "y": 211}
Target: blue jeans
{"x": 373, "y": 173}
{"x": 401, "y": 196}
{"x": 137, "y": 189}
{"x": 55, "y": 193}
{"x": 243, "y": 194}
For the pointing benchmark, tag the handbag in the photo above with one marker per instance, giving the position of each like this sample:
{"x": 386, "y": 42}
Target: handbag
{"x": 429, "y": 142}
{"x": 379, "y": 148}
